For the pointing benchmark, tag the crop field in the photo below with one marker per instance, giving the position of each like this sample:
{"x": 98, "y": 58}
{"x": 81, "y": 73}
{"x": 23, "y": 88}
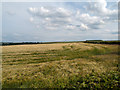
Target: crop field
{"x": 60, "y": 65}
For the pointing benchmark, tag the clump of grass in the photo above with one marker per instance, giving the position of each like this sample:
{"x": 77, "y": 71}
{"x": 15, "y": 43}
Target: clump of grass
{"x": 97, "y": 51}
{"x": 95, "y": 81}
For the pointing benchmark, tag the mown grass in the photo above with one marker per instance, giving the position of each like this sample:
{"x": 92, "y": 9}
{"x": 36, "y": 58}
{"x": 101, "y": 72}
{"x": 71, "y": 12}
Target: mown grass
{"x": 69, "y": 67}
{"x": 67, "y": 53}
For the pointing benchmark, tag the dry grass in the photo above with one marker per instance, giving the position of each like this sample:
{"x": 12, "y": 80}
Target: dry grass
{"x": 59, "y": 65}
{"x": 33, "y": 47}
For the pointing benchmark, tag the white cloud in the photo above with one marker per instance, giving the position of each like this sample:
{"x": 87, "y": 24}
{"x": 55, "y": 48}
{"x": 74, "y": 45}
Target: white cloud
{"x": 49, "y": 18}
{"x": 59, "y": 18}
{"x": 93, "y": 22}
{"x": 100, "y": 7}
{"x": 31, "y": 19}
{"x": 86, "y": 18}
{"x": 70, "y": 27}
{"x": 49, "y": 12}
{"x": 62, "y": 18}
{"x": 83, "y": 26}
{"x": 63, "y": 12}
{"x": 44, "y": 10}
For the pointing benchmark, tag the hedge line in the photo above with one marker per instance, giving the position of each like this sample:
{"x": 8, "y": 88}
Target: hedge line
{"x": 103, "y": 42}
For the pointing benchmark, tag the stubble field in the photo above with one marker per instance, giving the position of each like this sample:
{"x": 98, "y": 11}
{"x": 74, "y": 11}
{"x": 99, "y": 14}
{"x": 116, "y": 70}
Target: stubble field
{"x": 61, "y": 65}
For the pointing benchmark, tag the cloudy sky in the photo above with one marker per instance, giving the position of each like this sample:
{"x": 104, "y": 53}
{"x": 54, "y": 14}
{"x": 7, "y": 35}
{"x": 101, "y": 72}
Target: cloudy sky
{"x": 59, "y": 21}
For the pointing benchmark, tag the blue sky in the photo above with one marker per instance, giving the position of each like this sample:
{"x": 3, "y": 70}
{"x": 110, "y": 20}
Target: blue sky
{"x": 59, "y": 21}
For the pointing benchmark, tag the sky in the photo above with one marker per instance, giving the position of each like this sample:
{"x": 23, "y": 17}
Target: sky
{"x": 59, "y": 21}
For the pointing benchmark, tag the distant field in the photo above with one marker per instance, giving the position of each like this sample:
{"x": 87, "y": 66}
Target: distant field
{"x": 60, "y": 65}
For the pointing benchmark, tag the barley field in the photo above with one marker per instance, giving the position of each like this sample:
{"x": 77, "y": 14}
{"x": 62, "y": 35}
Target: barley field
{"x": 60, "y": 65}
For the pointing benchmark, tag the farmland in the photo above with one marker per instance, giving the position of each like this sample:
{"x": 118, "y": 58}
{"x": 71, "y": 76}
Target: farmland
{"x": 60, "y": 65}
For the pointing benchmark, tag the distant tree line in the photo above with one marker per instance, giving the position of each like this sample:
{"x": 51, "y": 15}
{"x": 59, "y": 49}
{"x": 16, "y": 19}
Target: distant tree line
{"x": 87, "y": 41}
{"x": 18, "y": 43}
{"x": 22, "y": 43}
{"x": 102, "y": 42}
